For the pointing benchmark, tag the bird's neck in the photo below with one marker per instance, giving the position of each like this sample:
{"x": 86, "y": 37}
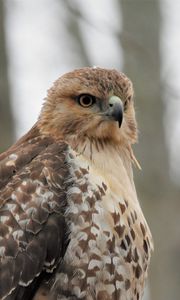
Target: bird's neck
{"x": 111, "y": 160}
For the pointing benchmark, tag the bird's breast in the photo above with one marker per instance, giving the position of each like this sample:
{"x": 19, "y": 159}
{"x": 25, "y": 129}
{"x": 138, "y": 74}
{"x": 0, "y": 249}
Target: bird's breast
{"x": 106, "y": 239}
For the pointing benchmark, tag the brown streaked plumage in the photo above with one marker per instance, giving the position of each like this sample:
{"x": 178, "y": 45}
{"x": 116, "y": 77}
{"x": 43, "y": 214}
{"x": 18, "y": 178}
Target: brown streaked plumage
{"x": 71, "y": 226}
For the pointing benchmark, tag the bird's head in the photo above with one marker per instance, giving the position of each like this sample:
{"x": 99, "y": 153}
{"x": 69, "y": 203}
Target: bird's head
{"x": 90, "y": 103}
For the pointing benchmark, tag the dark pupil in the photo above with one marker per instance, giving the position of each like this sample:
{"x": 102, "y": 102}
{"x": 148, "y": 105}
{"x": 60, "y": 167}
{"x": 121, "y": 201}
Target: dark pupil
{"x": 86, "y": 100}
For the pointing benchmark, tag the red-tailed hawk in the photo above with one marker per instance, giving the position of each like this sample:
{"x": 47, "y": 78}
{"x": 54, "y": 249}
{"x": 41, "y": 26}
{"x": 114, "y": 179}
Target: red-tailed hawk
{"x": 71, "y": 226}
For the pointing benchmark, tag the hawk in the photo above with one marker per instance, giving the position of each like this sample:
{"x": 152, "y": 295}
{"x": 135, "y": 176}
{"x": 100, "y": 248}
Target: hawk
{"x": 71, "y": 226}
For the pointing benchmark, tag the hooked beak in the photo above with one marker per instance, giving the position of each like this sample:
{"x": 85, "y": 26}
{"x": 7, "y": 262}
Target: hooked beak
{"x": 115, "y": 110}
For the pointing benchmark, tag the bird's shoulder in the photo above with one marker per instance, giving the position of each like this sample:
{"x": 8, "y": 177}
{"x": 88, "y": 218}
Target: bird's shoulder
{"x": 32, "y": 201}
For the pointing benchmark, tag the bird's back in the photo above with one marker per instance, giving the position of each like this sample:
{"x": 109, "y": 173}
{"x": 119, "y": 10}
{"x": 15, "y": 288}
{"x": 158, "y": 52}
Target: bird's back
{"x": 32, "y": 201}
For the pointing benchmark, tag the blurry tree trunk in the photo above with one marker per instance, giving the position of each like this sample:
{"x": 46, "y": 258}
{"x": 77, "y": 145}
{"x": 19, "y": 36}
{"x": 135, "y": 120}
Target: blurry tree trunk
{"x": 6, "y": 123}
{"x": 141, "y": 29}
{"x": 76, "y": 37}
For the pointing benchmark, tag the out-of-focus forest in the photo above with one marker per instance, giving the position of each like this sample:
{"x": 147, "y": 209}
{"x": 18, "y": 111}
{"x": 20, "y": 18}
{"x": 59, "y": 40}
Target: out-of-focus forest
{"x": 40, "y": 40}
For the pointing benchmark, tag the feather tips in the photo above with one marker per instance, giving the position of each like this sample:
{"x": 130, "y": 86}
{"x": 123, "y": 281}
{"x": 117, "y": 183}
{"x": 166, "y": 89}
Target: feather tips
{"x": 32, "y": 199}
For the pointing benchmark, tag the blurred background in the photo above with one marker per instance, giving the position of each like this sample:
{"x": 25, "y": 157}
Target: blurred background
{"x": 40, "y": 40}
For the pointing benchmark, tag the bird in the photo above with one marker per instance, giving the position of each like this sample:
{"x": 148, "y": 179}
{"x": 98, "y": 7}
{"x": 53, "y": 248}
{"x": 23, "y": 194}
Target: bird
{"x": 71, "y": 225}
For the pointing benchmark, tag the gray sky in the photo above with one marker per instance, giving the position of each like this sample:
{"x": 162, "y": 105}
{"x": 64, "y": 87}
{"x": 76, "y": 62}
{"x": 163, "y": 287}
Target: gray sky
{"x": 170, "y": 48}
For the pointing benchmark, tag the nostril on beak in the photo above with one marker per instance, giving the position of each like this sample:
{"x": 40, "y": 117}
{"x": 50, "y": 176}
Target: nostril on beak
{"x": 116, "y": 109}
{"x": 113, "y": 100}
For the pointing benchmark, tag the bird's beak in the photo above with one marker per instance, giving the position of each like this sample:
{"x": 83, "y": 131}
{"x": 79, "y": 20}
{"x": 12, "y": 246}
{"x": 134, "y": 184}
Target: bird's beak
{"x": 115, "y": 109}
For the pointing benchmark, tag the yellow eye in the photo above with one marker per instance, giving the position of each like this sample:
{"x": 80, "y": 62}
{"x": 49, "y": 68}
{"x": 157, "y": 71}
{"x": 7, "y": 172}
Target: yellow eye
{"x": 86, "y": 100}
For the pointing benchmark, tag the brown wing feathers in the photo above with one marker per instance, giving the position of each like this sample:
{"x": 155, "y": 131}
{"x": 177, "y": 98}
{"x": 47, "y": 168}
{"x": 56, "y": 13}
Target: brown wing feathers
{"x": 32, "y": 198}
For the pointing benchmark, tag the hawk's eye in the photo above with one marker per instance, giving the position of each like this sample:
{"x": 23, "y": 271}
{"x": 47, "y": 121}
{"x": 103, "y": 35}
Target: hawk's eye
{"x": 86, "y": 100}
